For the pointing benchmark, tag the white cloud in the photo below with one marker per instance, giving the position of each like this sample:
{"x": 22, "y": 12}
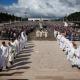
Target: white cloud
{"x": 46, "y": 8}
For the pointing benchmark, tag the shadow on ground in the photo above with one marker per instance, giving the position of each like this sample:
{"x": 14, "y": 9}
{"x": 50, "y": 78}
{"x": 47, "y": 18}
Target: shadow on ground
{"x": 21, "y": 63}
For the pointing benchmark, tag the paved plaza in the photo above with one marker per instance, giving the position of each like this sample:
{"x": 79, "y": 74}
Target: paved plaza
{"x": 41, "y": 60}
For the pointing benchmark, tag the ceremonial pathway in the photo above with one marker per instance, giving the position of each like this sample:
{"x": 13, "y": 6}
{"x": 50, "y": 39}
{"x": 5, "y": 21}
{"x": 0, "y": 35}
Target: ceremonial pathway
{"x": 41, "y": 60}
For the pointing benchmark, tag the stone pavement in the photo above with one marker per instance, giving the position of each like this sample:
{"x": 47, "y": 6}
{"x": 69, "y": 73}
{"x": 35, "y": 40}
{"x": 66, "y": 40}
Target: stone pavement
{"x": 41, "y": 60}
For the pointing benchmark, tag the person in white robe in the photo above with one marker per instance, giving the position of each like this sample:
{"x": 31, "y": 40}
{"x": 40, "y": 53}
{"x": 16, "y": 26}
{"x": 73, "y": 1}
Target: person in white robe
{"x": 41, "y": 34}
{"x": 38, "y": 33}
{"x": 46, "y": 33}
{"x": 65, "y": 24}
{"x": 5, "y": 55}
{"x": 72, "y": 55}
{"x": 58, "y": 32}
{"x": 11, "y": 54}
{"x": 20, "y": 44}
{"x": 23, "y": 38}
{"x": 55, "y": 33}
{"x": 59, "y": 38}
{"x": 68, "y": 45}
{"x": 1, "y": 60}
{"x": 77, "y": 59}
{"x": 62, "y": 42}
{"x": 41, "y": 26}
{"x": 14, "y": 48}
{"x": 17, "y": 45}
{"x": 26, "y": 39}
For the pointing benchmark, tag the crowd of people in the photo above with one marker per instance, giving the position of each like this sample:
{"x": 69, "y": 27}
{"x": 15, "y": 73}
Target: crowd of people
{"x": 68, "y": 45}
{"x": 72, "y": 32}
{"x": 18, "y": 38}
{"x": 12, "y": 33}
{"x": 9, "y": 51}
{"x": 8, "y": 33}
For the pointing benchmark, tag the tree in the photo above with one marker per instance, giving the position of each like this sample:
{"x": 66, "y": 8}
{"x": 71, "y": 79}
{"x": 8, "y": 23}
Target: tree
{"x": 74, "y": 16}
{"x": 5, "y": 17}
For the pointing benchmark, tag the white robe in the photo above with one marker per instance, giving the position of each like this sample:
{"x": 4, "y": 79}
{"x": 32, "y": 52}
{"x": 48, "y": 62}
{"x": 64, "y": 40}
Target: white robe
{"x": 55, "y": 33}
{"x": 58, "y": 38}
{"x": 78, "y": 56}
{"x": 71, "y": 56}
{"x": 1, "y": 59}
{"x": 11, "y": 54}
{"x": 68, "y": 45}
{"x": 62, "y": 42}
{"x": 23, "y": 38}
{"x": 21, "y": 44}
{"x": 46, "y": 34}
{"x": 14, "y": 47}
{"x": 17, "y": 46}
{"x": 70, "y": 50}
{"x": 5, "y": 55}
{"x": 41, "y": 34}
{"x": 65, "y": 24}
{"x": 26, "y": 38}
{"x": 37, "y": 33}
{"x": 22, "y": 35}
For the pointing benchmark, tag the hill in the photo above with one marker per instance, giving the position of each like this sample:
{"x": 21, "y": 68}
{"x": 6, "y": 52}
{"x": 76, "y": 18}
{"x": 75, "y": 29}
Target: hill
{"x": 74, "y": 16}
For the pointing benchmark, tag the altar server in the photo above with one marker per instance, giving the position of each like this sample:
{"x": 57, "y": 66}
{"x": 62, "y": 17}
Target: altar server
{"x": 1, "y": 60}
{"x": 4, "y": 55}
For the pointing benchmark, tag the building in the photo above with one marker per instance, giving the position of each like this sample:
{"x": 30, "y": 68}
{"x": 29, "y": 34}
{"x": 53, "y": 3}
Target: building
{"x": 39, "y": 19}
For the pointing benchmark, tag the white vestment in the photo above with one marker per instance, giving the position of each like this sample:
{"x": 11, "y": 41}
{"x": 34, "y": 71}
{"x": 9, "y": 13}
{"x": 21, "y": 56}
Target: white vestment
{"x": 26, "y": 38}
{"x": 71, "y": 56}
{"x": 67, "y": 46}
{"x": 41, "y": 34}
{"x": 11, "y": 53}
{"x": 46, "y": 34}
{"x": 55, "y": 33}
{"x": 62, "y": 42}
{"x": 17, "y": 46}
{"x": 22, "y": 35}
{"x": 23, "y": 38}
{"x": 14, "y": 47}
{"x": 21, "y": 44}
{"x": 58, "y": 39}
{"x": 78, "y": 56}
{"x": 5, "y": 55}
{"x": 1, "y": 59}
{"x": 37, "y": 33}
{"x": 65, "y": 24}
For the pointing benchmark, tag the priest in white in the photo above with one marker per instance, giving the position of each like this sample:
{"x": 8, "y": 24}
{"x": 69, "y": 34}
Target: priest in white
{"x": 23, "y": 38}
{"x": 1, "y": 60}
{"x": 5, "y": 55}
{"x": 11, "y": 54}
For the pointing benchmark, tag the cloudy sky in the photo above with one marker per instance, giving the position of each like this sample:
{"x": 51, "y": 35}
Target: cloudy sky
{"x": 40, "y": 8}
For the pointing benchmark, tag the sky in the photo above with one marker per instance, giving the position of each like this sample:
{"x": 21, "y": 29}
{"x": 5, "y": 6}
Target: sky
{"x": 40, "y": 8}
{"x": 7, "y": 2}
